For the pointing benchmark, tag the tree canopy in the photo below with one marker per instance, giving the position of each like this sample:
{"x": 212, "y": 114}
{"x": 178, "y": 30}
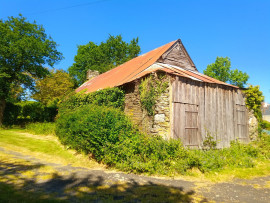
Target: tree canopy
{"x": 25, "y": 49}
{"x": 53, "y": 87}
{"x": 103, "y": 57}
{"x": 221, "y": 70}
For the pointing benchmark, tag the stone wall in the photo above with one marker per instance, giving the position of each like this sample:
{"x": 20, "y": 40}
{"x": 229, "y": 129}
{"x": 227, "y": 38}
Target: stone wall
{"x": 159, "y": 124}
{"x": 252, "y": 126}
{"x": 91, "y": 74}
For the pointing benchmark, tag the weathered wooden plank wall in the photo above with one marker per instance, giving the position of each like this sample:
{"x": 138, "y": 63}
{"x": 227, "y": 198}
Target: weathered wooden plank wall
{"x": 201, "y": 109}
{"x": 178, "y": 56}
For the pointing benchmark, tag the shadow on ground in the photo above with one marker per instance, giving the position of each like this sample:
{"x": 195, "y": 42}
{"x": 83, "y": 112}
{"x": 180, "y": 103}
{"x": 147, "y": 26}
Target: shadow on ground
{"x": 23, "y": 183}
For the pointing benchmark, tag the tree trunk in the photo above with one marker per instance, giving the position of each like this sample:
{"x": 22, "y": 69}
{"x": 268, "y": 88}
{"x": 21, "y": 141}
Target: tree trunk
{"x": 2, "y": 109}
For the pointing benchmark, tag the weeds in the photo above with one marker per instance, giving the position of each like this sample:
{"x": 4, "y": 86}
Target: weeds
{"x": 41, "y": 128}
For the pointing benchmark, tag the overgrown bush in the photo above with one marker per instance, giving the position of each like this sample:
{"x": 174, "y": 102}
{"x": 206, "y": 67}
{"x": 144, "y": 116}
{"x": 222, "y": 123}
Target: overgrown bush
{"x": 36, "y": 111}
{"x": 263, "y": 144}
{"x": 41, "y": 128}
{"x": 143, "y": 154}
{"x": 254, "y": 99}
{"x": 108, "y": 135}
{"x": 265, "y": 125}
{"x": 157, "y": 156}
{"x": 111, "y": 97}
{"x": 91, "y": 128}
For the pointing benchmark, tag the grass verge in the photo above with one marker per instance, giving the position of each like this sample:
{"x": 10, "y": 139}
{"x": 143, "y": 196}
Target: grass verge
{"x": 45, "y": 147}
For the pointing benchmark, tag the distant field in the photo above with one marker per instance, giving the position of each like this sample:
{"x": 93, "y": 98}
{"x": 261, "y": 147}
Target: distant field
{"x": 266, "y": 117}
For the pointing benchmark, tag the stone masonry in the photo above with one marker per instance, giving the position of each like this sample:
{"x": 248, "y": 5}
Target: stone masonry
{"x": 252, "y": 126}
{"x": 159, "y": 124}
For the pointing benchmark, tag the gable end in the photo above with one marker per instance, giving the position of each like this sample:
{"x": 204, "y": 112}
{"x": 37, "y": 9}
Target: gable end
{"x": 178, "y": 56}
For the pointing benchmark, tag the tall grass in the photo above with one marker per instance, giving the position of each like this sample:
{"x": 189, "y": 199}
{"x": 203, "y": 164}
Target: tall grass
{"x": 41, "y": 128}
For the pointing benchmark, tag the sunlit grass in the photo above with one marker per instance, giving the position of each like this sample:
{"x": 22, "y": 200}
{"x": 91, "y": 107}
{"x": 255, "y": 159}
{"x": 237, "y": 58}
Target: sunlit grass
{"x": 47, "y": 148}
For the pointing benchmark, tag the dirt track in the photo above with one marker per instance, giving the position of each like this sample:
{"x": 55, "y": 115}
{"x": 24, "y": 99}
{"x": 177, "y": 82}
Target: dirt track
{"x": 81, "y": 184}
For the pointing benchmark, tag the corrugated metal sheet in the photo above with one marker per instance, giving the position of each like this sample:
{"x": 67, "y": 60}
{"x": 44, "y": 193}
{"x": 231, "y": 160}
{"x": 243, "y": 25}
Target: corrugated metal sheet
{"x": 141, "y": 66}
{"x": 126, "y": 72}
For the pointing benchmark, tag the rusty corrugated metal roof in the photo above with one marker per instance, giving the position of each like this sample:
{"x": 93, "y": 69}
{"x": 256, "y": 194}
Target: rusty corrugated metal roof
{"x": 125, "y": 72}
{"x": 139, "y": 67}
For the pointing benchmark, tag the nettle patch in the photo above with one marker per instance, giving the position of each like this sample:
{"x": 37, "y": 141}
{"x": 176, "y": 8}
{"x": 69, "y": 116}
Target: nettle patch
{"x": 151, "y": 89}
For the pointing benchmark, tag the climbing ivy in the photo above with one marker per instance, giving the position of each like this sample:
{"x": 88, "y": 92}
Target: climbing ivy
{"x": 254, "y": 98}
{"x": 150, "y": 89}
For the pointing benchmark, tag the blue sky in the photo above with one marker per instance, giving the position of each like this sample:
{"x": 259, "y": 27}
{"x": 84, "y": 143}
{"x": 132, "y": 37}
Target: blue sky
{"x": 234, "y": 28}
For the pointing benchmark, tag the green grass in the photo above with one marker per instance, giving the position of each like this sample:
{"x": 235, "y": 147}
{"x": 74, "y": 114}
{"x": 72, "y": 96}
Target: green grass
{"x": 47, "y": 147}
{"x": 32, "y": 143}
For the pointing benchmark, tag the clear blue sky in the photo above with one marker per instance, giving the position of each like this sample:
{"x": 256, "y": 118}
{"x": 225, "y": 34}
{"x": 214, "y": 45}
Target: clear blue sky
{"x": 234, "y": 28}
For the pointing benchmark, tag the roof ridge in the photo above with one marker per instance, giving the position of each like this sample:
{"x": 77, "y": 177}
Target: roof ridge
{"x": 153, "y": 57}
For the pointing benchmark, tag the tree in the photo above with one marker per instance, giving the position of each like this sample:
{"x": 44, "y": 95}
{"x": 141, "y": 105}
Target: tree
{"x": 221, "y": 70}
{"x": 102, "y": 57}
{"x": 25, "y": 48}
{"x": 238, "y": 78}
{"x": 53, "y": 87}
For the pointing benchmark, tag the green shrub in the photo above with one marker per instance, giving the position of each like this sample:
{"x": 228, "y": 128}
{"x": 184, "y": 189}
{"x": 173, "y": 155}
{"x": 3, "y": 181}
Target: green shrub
{"x": 41, "y": 128}
{"x": 263, "y": 144}
{"x": 37, "y": 112}
{"x": 90, "y": 128}
{"x": 11, "y": 113}
{"x": 28, "y": 111}
{"x": 265, "y": 125}
{"x": 254, "y": 98}
{"x": 143, "y": 154}
{"x": 109, "y": 136}
{"x": 111, "y": 97}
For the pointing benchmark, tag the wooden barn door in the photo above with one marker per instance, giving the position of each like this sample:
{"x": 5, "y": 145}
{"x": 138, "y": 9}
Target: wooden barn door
{"x": 241, "y": 118}
{"x": 186, "y": 113}
{"x": 241, "y": 123}
{"x": 191, "y": 125}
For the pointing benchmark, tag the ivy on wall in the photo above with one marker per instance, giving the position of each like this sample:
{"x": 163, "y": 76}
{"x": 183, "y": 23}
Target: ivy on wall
{"x": 150, "y": 89}
{"x": 254, "y": 99}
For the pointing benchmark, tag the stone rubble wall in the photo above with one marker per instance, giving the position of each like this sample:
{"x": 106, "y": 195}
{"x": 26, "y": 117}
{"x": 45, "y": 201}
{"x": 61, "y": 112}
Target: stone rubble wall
{"x": 252, "y": 126}
{"x": 91, "y": 74}
{"x": 159, "y": 124}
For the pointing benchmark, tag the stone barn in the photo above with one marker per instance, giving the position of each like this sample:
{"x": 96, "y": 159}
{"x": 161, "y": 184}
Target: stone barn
{"x": 187, "y": 104}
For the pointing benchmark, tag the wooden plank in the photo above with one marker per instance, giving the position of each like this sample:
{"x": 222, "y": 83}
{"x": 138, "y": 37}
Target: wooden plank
{"x": 176, "y": 120}
{"x": 178, "y": 56}
{"x": 230, "y": 126}
{"x": 218, "y": 117}
{"x": 175, "y": 90}
{"x": 210, "y": 114}
{"x": 207, "y": 108}
{"x": 202, "y": 112}
{"x": 182, "y": 120}
{"x": 234, "y": 115}
{"x": 226, "y": 124}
